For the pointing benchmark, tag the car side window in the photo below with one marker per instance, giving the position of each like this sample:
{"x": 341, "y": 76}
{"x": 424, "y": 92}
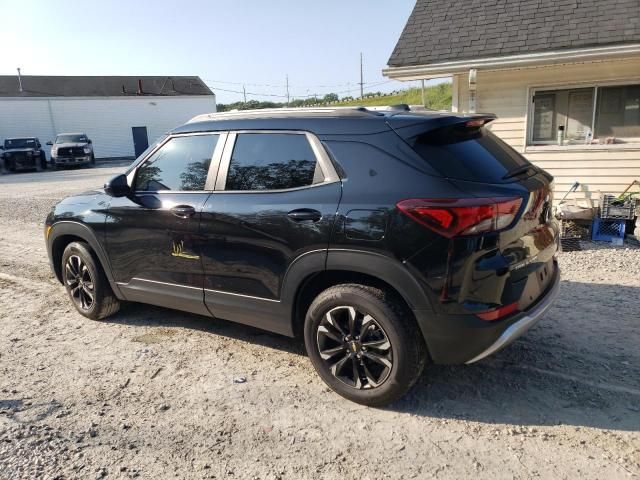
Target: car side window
{"x": 181, "y": 164}
{"x": 272, "y": 161}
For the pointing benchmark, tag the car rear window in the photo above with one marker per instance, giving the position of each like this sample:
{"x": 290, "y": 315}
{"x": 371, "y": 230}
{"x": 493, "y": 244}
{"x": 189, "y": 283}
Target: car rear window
{"x": 465, "y": 153}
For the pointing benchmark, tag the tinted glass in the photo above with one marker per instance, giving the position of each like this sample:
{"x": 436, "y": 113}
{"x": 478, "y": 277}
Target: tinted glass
{"x": 468, "y": 154}
{"x": 20, "y": 143}
{"x": 72, "y": 139}
{"x": 272, "y": 161}
{"x": 181, "y": 164}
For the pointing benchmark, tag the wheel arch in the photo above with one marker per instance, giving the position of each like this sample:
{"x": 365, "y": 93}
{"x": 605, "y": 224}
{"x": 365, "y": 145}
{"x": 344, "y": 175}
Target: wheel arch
{"x": 351, "y": 266}
{"x": 62, "y": 234}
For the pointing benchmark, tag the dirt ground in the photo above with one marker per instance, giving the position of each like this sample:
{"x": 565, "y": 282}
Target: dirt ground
{"x": 154, "y": 393}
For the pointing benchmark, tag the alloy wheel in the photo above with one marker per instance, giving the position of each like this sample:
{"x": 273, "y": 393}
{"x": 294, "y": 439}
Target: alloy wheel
{"x": 80, "y": 283}
{"x": 354, "y": 347}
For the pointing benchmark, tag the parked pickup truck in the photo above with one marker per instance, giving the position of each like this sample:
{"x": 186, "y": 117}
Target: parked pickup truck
{"x": 23, "y": 154}
{"x": 72, "y": 149}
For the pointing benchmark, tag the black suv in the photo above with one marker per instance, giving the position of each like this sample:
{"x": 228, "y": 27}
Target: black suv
{"x": 387, "y": 239}
{"x": 23, "y": 154}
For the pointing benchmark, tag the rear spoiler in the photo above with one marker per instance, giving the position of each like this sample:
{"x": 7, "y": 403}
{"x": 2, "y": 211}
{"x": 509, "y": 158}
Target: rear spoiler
{"x": 410, "y": 126}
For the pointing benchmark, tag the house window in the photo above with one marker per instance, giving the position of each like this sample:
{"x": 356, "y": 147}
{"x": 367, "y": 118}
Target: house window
{"x": 618, "y": 112}
{"x": 599, "y": 114}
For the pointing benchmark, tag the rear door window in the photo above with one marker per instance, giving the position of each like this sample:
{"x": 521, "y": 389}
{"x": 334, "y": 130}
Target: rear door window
{"x": 181, "y": 164}
{"x": 473, "y": 154}
{"x": 272, "y": 161}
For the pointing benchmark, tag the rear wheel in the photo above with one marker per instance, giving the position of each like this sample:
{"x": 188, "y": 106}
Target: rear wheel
{"x": 364, "y": 343}
{"x": 43, "y": 161}
{"x": 86, "y": 283}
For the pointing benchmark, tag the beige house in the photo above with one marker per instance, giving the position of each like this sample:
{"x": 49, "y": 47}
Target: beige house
{"x": 563, "y": 77}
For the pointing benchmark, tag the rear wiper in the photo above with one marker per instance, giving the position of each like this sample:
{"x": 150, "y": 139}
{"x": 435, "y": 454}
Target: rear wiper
{"x": 519, "y": 171}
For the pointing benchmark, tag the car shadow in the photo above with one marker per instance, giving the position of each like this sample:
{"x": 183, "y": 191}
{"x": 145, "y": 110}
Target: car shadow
{"x": 135, "y": 314}
{"x": 579, "y": 366}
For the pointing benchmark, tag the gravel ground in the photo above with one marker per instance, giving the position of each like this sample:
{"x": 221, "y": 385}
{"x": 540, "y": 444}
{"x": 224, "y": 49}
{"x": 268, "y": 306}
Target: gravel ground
{"x": 154, "y": 393}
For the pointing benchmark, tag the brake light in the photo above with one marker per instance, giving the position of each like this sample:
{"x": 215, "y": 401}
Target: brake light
{"x": 477, "y": 123}
{"x": 452, "y": 217}
{"x": 498, "y": 313}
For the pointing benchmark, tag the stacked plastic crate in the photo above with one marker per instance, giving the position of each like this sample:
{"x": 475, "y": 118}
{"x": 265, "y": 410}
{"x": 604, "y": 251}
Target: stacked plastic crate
{"x": 611, "y": 224}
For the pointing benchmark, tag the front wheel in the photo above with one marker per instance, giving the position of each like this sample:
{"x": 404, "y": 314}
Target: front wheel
{"x": 364, "y": 343}
{"x": 86, "y": 283}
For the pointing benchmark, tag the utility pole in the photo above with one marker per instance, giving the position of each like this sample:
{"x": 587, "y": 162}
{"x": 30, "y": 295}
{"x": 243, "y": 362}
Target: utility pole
{"x": 287, "y": 90}
{"x": 423, "y": 99}
{"x": 361, "y": 78}
{"x": 19, "y": 80}
{"x": 244, "y": 92}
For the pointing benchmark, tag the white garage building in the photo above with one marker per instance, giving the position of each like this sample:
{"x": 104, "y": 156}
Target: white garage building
{"x": 121, "y": 115}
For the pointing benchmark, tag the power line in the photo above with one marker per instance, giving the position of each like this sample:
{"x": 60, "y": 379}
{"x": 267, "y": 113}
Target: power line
{"x": 244, "y": 92}
{"x": 247, "y": 93}
{"x": 274, "y": 85}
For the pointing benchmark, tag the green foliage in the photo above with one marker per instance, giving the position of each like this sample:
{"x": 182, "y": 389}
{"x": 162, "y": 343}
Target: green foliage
{"x": 330, "y": 98}
{"x": 437, "y": 97}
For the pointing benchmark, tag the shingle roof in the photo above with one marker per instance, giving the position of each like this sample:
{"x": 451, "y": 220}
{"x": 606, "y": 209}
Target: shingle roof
{"x": 59, "y": 86}
{"x": 446, "y": 30}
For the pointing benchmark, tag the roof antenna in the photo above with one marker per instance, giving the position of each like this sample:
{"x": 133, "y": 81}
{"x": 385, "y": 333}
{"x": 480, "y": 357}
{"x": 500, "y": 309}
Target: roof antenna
{"x": 20, "y": 80}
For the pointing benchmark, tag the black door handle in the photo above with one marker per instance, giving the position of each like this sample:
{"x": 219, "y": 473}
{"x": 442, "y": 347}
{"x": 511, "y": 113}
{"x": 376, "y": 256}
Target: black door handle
{"x": 183, "y": 211}
{"x": 302, "y": 214}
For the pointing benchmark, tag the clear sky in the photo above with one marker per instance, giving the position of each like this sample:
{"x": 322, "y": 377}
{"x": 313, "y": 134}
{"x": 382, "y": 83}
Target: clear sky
{"x": 317, "y": 43}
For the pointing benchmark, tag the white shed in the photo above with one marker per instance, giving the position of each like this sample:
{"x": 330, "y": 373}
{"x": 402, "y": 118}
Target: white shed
{"x": 112, "y": 111}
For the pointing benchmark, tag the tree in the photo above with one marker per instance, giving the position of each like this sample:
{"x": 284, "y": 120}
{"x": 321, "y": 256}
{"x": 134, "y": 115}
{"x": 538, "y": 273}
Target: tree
{"x": 330, "y": 98}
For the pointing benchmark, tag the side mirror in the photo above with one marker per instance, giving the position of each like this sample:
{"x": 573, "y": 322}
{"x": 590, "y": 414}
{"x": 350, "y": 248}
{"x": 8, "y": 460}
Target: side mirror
{"x": 89, "y": 141}
{"x": 50, "y": 143}
{"x": 1, "y": 147}
{"x": 117, "y": 186}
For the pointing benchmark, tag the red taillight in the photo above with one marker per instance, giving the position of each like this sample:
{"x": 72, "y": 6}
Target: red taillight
{"x": 476, "y": 123}
{"x": 498, "y": 313}
{"x": 453, "y": 217}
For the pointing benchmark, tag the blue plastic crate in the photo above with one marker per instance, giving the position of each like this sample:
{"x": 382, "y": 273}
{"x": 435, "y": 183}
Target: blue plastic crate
{"x": 606, "y": 230}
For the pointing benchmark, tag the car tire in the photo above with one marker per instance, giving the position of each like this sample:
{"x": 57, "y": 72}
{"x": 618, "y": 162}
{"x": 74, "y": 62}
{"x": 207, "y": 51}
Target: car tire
{"x": 86, "y": 283}
{"x": 43, "y": 161}
{"x": 364, "y": 343}
{"x": 92, "y": 163}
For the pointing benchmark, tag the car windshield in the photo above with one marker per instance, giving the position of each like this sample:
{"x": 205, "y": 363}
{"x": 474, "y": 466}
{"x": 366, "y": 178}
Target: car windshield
{"x": 20, "y": 143}
{"x": 71, "y": 139}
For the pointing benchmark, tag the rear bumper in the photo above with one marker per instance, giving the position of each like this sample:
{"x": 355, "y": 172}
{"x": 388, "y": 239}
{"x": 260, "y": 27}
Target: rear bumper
{"x": 523, "y": 324}
{"x": 459, "y": 339}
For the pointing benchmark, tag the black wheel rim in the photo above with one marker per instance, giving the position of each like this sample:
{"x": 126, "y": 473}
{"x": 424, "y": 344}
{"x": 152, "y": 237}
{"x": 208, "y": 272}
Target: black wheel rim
{"x": 354, "y": 347}
{"x": 79, "y": 282}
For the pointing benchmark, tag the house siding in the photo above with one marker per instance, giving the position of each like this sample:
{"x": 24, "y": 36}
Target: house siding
{"x": 506, "y": 93}
{"x": 106, "y": 120}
